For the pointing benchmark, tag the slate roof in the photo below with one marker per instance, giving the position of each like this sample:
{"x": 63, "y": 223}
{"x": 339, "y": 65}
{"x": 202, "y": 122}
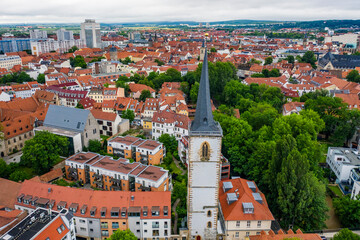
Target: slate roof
{"x": 340, "y": 61}
{"x": 204, "y": 122}
{"x": 73, "y": 119}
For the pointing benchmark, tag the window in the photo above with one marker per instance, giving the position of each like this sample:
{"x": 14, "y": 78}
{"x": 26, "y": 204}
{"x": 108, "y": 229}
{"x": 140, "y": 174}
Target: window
{"x": 81, "y": 220}
{"x": 205, "y": 151}
{"x": 247, "y": 234}
{"x": 248, "y": 224}
{"x": 236, "y": 234}
{"x": 82, "y": 229}
{"x": 104, "y": 225}
{"x": 209, "y": 213}
{"x": 259, "y": 224}
{"x": 155, "y": 224}
{"x": 115, "y": 225}
{"x": 237, "y": 223}
{"x": 209, "y": 224}
{"x": 105, "y": 233}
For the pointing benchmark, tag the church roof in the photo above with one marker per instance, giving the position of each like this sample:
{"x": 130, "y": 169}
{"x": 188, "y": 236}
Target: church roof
{"x": 204, "y": 123}
{"x": 340, "y": 61}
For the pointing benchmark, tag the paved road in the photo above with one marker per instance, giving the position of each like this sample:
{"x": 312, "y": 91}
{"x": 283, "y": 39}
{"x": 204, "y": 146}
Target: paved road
{"x": 13, "y": 158}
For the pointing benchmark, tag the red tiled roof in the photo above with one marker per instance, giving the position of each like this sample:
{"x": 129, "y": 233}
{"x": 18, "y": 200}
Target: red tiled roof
{"x": 98, "y": 114}
{"x": 234, "y": 211}
{"x": 98, "y": 199}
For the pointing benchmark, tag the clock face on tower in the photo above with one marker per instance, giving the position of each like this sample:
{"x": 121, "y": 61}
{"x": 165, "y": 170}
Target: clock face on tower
{"x": 205, "y": 151}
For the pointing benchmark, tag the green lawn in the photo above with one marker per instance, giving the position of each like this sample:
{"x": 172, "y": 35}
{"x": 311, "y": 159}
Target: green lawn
{"x": 104, "y": 137}
{"x": 336, "y": 190}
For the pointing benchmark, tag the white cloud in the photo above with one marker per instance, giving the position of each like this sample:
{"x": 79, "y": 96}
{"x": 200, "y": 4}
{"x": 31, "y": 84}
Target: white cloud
{"x": 111, "y": 11}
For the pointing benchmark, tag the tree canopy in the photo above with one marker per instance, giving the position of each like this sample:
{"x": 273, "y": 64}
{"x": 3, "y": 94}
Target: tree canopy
{"x": 123, "y": 235}
{"x": 43, "y": 150}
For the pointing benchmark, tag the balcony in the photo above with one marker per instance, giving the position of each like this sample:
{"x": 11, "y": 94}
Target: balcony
{"x": 72, "y": 170}
{"x": 115, "y": 181}
{"x": 145, "y": 189}
{"x": 115, "y": 188}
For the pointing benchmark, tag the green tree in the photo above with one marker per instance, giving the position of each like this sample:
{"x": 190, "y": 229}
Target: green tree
{"x": 184, "y": 87}
{"x": 43, "y": 150}
{"x": 126, "y": 61}
{"x": 79, "y": 105}
{"x": 159, "y": 62}
{"x": 128, "y": 114}
{"x": 78, "y": 61}
{"x": 124, "y": 85}
{"x": 348, "y": 211}
{"x": 3, "y": 172}
{"x": 169, "y": 141}
{"x": 309, "y": 57}
{"x": 123, "y": 235}
{"x": 268, "y": 60}
{"x": 260, "y": 115}
{"x": 353, "y": 76}
{"x": 24, "y": 77}
{"x": 41, "y": 78}
{"x": 19, "y": 176}
{"x": 346, "y": 234}
{"x": 94, "y": 146}
{"x": 274, "y": 73}
{"x": 73, "y": 49}
{"x": 144, "y": 95}
{"x": 290, "y": 59}
{"x": 194, "y": 92}
{"x": 174, "y": 75}
{"x": 213, "y": 50}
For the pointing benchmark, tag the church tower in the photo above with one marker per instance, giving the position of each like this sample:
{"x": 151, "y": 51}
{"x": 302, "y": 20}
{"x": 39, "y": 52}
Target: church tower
{"x": 204, "y": 165}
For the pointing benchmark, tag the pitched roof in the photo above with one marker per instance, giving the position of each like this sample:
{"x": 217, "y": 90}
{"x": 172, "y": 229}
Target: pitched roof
{"x": 235, "y": 210}
{"x": 289, "y": 235}
{"x": 97, "y": 199}
{"x": 98, "y": 114}
{"x": 73, "y": 119}
{"x": 8, "y": 192}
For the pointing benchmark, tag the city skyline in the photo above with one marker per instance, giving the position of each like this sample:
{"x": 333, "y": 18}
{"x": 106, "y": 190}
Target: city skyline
{"x": 144, "y": 11}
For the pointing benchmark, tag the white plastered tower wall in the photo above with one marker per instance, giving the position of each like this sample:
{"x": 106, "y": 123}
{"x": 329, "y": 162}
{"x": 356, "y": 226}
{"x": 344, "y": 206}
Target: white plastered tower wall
{"x": 204, "y": 165}
{"x": 203, "y": 185}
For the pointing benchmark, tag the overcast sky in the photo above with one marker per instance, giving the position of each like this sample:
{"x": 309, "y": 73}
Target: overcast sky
{"x": 118, "y": 11}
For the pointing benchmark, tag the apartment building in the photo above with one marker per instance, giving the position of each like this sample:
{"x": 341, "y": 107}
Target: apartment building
{"x": 97, "y": 214}
{"x": 67, "y": 98}
{"x": 43, "y": 223}
{"x": 113, "y": 93}
{"x": 22, "y": 90}
{"x": 145, "y": 151}
{"x": 96, "y": 94}
{"x": 171, "y": 123}
{"x": 9, "y": 62}
{"x": 150, "y": 107}
{"x": 243, "y": 209}
{"x": 110, "y": 174}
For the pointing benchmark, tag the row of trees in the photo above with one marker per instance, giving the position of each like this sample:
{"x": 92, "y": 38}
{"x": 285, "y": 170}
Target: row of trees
{"x": 281, "y": 155}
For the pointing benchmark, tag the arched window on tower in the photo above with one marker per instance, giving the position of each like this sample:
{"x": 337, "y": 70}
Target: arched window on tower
{"x": 205, "y": 153}
{"x": 209, "y": 224}
{"x": 209, "y": 213}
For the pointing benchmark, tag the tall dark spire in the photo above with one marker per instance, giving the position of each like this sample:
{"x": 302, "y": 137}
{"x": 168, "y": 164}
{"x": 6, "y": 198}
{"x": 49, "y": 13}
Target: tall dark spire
{"x": 204, "y": 123}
